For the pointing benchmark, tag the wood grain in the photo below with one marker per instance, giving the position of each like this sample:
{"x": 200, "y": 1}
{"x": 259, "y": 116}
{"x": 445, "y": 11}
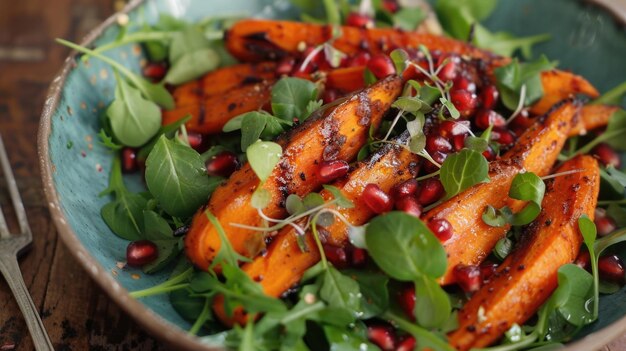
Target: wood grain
{"x": 76, "y": 313}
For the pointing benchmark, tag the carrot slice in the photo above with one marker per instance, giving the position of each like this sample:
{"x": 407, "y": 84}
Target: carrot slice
{"x": 337, "y": 134}
{"x": 560, "y": 85}
{"x": 529, "y": 275}
{"x": 592, "y": 117}
{"x": 536, "y": 151}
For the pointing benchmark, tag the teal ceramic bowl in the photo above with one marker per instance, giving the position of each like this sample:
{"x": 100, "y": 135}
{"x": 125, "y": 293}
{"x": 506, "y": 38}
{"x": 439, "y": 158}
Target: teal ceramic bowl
{"x": 586, "y": 39}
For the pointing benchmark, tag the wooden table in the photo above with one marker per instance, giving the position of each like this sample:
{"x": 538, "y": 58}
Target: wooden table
{"x": 76, "y": 313}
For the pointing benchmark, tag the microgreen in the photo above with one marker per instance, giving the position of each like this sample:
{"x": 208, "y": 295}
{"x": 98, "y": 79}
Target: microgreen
{"x": 263, "y": 156}
{"x": 176, "y": 176}
{"x": 525, "y": 187}
{"x": 226, "y": 254}
{"x": 463, "y": 170}
{"x": 108, "y": 141}
{"x": 613, "y": 135}
{"x": 512, "y": 77}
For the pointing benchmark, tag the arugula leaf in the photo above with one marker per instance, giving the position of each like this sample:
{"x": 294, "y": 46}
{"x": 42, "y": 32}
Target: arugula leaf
{"x": 176, "y": 176}
{"x": 506, "y": 44}
{"x": 255, "y": 125}
{"x": 432, "y": 305}
{"x": 588, "y": 230}
{"x": 341, "y": 339}
{"x": 463, "y": 170}
{"x": 108, "y": 141}
{"x": 404, "y": 248}
{"x": 339, "y": 290}
{"x": 291, "y": 97}
{"x": 124, "y": 215}
{"x": 133, "y": 119}
{"x": 191, "y": 56}
{"x": 374, "y": 293}
{"x": 167, "y": 130}
{"x": 571, "y": 298}
{"x": 512, "y": 77}
{"x": 408, "y": 18}
{"x": 263, "y": 157}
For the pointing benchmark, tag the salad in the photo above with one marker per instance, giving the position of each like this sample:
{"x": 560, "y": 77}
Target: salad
{"x": 372, "y": 177}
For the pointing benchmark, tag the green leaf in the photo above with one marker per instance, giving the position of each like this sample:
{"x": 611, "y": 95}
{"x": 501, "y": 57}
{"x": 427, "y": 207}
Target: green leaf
{"x": 408, "y": 18}
{"x": 432, "y": 305}
{"x": 404, "y": 248}
{"x": 106, "y": 140}
{"x": 368, "y": 77}
{"x": 342, "y": 339}
{"x": 187, "y": 305}
{"x": 168, "y": 130}
{"x": 463, "y": 170}
{"x": 156, "y": 227}
{"x": 187, "y": 40}
{"x": 226, "y": 254}
{"x": 503, "y": 248}
{"x": 263, "y": 157}
{"x": 613, "y": 135}
{"x": 588, "y": 230}
{"x": 373, "y": 288}
{"x": 341, "y": 200}
{"x": 293, "y": 204}
{"x": 192, "y": 65}
{"x": 572, "y": 296}
{"x": 176, "y": 176}
{"x": 261, "y": 198}
{"x": 400, "y": 59}
{"x": 506, "y": 44}
{"x": 291, "y": 97}
{"x": 168, "y": 251}
{"x": 512, "y": 77}
{"x": 527, "y": 187}
{"x": 134, "y": 120}
{"x": 339, "y": 290}
{"x": 614, "y": 96}
{"x": 454, "y": 113}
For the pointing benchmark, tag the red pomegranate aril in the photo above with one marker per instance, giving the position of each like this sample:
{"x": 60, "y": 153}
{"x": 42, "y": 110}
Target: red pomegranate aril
{"x": 383, "y": 336}
{"x": 408, "y": 344}
{"x": 358, "y": 257}
{"x": 607, "y": 155}
{"x": 376, "y": 199}
{"x": 406, "y": 188}
{"x": 381, "y": 66}
{"x": 458, "y": 141}
{"x": 331, "y": 170}
{"x": 448, "y": 71}
{"x": 484, "y": 118}
{"x": 611, "y": 268}
{"x": 462, "y": 83}
{"x": 195, "y": 140}
{"x": 451, "y": 128}
{"x": 583, "y": 260}
{"x": 360, "y": 59}
{"x": 406, "y": 300}
{"x": 438, "y": 143}
{"x": 336, "y": 255}
{"x": 409, "y": 205}
{"x": 360, "y": 20}
{"x": 222, "y": 164}
{"x": 441, "y": 228}
{"x": 155, "y": 71}
{"x": 605, "y": 225}
{"x": 391, "y": 5}
{"x": 489, "y": 154}
{"x": 142, "y": 252}
{"x": 468, "y": 277}
{"x": 129, "y": 160}
{"x": 487, "y": 270}
{"x": 503, "y": 136}
{"x": 464, "y": 101}
{"x": 430, "y": 190}
{"x": 285, "y": 66}
{"x": 489, "y": 96}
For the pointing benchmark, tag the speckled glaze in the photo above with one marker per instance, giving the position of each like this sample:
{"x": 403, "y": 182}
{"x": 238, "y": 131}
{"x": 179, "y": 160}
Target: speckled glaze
{"x": 75, "y": 166}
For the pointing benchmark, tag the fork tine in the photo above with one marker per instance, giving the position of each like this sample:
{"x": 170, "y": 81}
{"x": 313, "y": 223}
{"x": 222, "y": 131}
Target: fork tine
{"x": 20, "y": 213}
{"x": 4, "y": 229}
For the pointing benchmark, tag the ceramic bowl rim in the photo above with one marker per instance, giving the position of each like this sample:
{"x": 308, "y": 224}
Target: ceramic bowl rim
{"x": 152, "y": 322}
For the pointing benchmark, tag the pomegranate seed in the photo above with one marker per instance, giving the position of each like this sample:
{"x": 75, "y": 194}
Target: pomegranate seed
{"x": 285, "y": 66}
{"x": 503, "y": 136}
{"x": 331, "y": 170}
{"x": 468, "y": 277}
{"x": 381, "y": 66}
{"x": 452, "y": 128}
{"x": 336, "y": 255}
{"x": 489, "y": 154}
{"x": 607, "y": 155}
{"x": 462, "y": 83}
{"x": 360, "y": 20}
{"x": 406, "y": 299}
{"x": 583, "y": 260}
{"x": 464, "y": 101}
{"x": 330, "y": 95}
{"x": 222, "y": 164}
{"x": 376, "y": 199}
{"x": 195, "y": 140}
{"x": 430, "y": 191}
{"x": 605, "y": 225}
{"x": 484, "y": 118}
{"x": 489, "y": 96}
{"x": 458, "y": 141}
{"x": 406, "y": 188}
{"x": 358, "y": 257}
{"x": 129, "y": 160}
{"x": 409, "y": 205}
{"x": 441, "y": 228}
{"x": 391, "y": 5}
{"x": 383, "y": 336}
{"x": 142, "y": 252}
{"x": 438, "y": 143}
{"x": 360, "y": 59}
{"x": 487, "y": 270}
{"x": 407, "y": 344}
{"x": 447, "y": 72}
{"x": 611, "y": 268}
{"x": 155, "y": 71}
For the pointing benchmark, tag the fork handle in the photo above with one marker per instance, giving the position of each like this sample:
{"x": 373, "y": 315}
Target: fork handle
{"x": 11, "y": 271}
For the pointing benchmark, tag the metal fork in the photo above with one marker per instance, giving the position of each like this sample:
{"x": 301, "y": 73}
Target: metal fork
{"x": 11, "y": 246}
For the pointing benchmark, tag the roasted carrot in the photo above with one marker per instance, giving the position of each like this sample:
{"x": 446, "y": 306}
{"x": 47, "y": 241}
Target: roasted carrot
{"x": 535, "y": 151}
{"x": 337, "y": 134}
{"x": 223, "y": 80}
{"x": 254, "y": 40}
{"x": 592, "y": 117}
{"x": 210, "y": 114}
{"x": 529, "y": 275}
{"x": 560, "y": 85}
{"x": 284, "y": 263}
{"x": 346, "y": 80}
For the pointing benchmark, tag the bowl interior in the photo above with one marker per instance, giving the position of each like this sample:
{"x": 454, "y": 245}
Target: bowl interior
{"x": 585, "y": 40}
